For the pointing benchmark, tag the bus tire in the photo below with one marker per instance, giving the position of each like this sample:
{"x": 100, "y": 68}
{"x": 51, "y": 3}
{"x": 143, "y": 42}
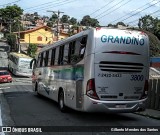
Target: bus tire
{"x": 61, "y": 101}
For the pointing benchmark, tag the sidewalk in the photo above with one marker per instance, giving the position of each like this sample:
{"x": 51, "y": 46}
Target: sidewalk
{"x": 150, "y": 113}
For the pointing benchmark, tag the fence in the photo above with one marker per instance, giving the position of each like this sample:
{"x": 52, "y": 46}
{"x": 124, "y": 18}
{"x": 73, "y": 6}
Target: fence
{"x": 153, "y": 101}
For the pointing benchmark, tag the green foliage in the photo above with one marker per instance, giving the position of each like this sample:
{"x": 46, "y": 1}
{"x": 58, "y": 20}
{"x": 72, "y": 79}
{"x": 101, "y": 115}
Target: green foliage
{"x": 10, "y": 15}
{"x": 50, "y": 24}
{"x": 154, "y": 44}
{"x": 88, "y": 21}
{"x": 11, "y": 40}
{"x": 53, "y": 18}
{"x": 148, "y": 23}
{"x": 73, "y": 21}
{"x": 151, "y": 26}
{"x": 32, "y": 49}
{"x": 65, "y": 19}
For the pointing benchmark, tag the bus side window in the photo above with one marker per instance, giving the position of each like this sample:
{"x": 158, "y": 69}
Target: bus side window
{"x": 83, "y": 43}
{"x": 80, "y": 46}
{"x": 49, "y": 57}
{"x": 56, "y": 56}
{"x": 46, "y": 58}
{"x": 41, "y": 60}
{"x": 53, "y": 57}
{"x": 72, "y": 57}
{"x": 60, "y": 59}
{"x": 65, "y": 54}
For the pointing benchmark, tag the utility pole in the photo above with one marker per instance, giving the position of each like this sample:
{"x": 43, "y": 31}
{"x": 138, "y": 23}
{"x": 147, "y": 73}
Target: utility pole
{"x": 19, "y": 46}
{"x": 58, "y": 13}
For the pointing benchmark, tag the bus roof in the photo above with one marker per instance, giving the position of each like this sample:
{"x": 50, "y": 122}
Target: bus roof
{"x": 21, "y": 55}
{"x": 83, "y": 33}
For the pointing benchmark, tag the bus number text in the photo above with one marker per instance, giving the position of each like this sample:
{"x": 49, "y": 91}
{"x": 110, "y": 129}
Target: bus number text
{"x": 137, "y": 77}
{"x": 109, "y": 75}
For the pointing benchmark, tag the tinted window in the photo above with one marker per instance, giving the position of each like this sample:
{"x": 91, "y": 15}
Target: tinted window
{"x": 53, "y": 56}
{"x": 46, "y": 58}
{"x": 41, "y": 60}
{"x": 56, "y": 56}
{"x": 60, "y": 59}
{"x": 65, "y": 54}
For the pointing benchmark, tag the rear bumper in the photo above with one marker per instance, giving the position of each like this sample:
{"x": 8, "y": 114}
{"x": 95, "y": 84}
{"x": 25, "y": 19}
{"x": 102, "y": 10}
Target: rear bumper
{"x": 91, "y": 105}
{"x": 23, "y": 74}
{"x": 3, "y": 81}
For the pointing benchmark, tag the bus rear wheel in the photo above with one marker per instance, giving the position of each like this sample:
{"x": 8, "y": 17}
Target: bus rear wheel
{"x": 61, "y": 101}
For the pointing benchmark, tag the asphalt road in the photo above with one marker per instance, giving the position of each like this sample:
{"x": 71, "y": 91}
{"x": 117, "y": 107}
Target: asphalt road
{"x": 21, "y": 107}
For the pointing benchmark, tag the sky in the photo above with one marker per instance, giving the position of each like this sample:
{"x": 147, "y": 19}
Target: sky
{"x": 105, "y": 11}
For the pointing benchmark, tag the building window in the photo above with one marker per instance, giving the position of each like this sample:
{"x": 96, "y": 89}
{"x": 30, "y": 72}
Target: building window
{"x": 39, "y": 38}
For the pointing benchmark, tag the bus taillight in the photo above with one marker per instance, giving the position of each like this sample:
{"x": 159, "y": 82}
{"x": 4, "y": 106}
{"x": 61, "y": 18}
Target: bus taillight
{"x": 90, "y": 89}
{"x": 145, "y": 91}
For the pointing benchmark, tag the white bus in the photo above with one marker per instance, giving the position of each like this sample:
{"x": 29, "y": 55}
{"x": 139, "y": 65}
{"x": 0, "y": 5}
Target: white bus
{"x": 4, "y": 50}
{"x": 97, "y": 70}
{"x": 19, "y": 64}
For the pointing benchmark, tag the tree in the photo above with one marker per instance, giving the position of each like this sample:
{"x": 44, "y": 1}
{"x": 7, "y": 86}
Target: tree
{"x": 32, "y": 49}
{"x": 65, "y": 19}
{"x": 148, "y": 23}
{"x": 111, "y": 25}
{"x": 52, "y": 20}
{"x": 120, "y": 23}
{"x": 88, "y": 21}
{"x": 157, "y": 29}
{"x": 11, "y": 40}
{"x": 73, "y": 21}
{"x": 10, "y": 15}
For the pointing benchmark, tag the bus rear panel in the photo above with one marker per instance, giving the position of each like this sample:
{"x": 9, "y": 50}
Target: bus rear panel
{"x": 121, "y": 71}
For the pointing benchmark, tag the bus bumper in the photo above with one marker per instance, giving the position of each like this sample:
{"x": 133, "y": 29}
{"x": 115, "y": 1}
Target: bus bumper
{"x": 91, "y": 105}
{"x": 24, "y": 74}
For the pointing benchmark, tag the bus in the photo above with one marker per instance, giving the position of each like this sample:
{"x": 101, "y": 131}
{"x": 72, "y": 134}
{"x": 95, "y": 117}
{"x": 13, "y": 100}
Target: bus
{"x": 4, "y": 50}
{"x": 19, "y": 64}
{"x": 4, "y": 47}
{"x": 97, "y": 70}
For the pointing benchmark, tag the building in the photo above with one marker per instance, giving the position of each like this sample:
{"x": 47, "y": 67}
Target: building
{"x": 37, "y": 35}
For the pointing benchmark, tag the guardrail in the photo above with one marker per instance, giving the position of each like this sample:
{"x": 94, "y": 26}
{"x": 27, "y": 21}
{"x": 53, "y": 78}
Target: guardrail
{"x": 153, "y": 101}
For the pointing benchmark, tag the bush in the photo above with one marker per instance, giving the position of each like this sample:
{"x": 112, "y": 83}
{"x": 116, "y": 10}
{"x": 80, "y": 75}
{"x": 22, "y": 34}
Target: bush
{"x": 32, "y": 49}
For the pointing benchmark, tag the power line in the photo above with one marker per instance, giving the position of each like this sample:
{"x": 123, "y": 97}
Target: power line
{"x": 138, "y": 19}
{"x": 102, "y": 7}
{"x": 140, "y": 11}
{"x": 11, "y": 3}
{"x": 110, "y": 8}
{"x": 130, "y": 12}
{"x": 58, "y": 4}
{"x": 115, "y": 9}
{"x": 39, "y": 5}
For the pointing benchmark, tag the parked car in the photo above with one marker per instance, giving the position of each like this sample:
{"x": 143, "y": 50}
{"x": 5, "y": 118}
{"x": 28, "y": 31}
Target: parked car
{"x": 5, "y": 76}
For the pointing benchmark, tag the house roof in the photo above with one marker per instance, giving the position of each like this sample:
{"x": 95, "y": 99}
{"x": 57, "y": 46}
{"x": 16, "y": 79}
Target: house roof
{"x": 34, "y": 29}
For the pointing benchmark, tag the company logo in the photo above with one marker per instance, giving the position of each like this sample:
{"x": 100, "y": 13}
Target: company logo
{"x": 122, "y": 40}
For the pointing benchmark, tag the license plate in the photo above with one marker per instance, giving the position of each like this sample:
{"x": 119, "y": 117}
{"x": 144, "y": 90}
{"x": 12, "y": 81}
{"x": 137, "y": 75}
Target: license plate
{"x": 5, "y": 80}
{"x": 120, "y": 106}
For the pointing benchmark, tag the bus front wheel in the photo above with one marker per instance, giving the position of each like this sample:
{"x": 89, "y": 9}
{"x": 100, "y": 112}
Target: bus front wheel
{"x": 61, "y": 101}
